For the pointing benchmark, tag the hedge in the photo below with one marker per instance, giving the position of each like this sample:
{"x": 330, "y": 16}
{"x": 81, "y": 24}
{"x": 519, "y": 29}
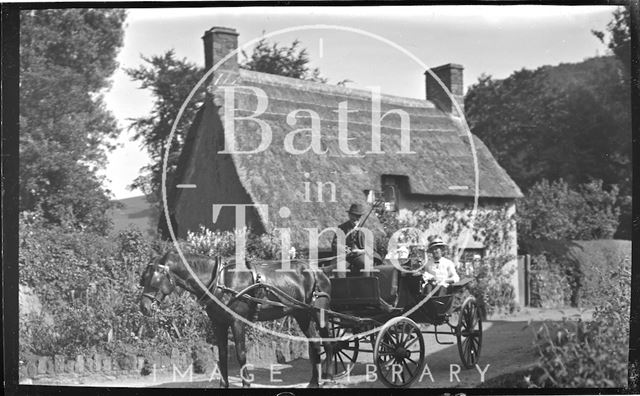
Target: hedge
{"x": 571, "y": 272}
{"x": 593, "y": 353}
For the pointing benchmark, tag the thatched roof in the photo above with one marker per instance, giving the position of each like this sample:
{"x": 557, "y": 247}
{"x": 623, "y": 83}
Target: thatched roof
{"x": 442, "y": 165}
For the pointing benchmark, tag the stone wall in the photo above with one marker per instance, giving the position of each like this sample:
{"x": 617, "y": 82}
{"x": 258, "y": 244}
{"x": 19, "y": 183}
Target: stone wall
{"x": 202, "y": 358}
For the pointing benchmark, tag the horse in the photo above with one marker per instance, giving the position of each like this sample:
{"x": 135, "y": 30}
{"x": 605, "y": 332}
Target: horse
{"x": 300, "y": 283}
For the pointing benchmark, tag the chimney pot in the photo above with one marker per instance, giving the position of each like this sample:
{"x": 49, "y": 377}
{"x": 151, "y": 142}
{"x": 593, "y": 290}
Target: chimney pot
{"x": 452, "y": 78}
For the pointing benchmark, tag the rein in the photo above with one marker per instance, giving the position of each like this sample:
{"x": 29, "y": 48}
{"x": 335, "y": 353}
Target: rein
{"x": 214, "y": 284}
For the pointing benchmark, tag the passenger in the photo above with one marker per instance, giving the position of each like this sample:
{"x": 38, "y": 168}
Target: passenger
{"x": 439, "y": 270}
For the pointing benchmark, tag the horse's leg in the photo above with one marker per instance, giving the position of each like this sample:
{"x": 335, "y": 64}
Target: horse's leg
{"x": 237, "y": 328}
{"x": 308, "y": 328}
{"x": 222, "y": 339}
{"x": 323, "y": 303}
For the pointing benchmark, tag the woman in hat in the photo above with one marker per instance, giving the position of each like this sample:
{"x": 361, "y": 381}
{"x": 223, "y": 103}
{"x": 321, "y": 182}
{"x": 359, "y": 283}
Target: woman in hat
{"x": 439, "y": 269}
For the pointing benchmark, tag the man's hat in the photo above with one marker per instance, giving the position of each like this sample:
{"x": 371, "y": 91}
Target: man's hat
{"x": 356, "y": 209}
{"x": 437, "y": 241}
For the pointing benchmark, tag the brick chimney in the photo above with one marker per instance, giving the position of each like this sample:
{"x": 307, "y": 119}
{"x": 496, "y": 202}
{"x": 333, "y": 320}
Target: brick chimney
{"x": 218, "y": 43}
{"x": 451, "y": 76}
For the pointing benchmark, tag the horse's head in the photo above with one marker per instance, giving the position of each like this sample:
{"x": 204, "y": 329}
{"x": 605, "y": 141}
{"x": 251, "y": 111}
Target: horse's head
{"x": 157, "y": 282}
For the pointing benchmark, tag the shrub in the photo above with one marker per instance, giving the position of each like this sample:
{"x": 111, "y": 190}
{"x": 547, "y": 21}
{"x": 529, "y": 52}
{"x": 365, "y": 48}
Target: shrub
{"x": 596, "y": 259}
{"x": 552, "y": 211}
{"x": 549, "y": 285}
{"x": 89, "y": 285}
{"x": 571, "y": 272}
{"x": 590, "y": 354}
{"x": 492, "y": 288}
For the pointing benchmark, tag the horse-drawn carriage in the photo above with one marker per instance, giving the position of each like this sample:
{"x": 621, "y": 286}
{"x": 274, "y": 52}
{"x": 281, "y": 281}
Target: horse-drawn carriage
{"x": 384, "y": 308}
{"x": 388, "y": 311}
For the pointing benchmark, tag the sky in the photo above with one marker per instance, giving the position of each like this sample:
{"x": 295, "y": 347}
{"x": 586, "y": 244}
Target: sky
{"x": 491, "y": 40}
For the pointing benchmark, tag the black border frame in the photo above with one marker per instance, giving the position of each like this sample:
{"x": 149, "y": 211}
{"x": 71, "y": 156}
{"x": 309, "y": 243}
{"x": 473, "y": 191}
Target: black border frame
{"x": 10, "y": 171}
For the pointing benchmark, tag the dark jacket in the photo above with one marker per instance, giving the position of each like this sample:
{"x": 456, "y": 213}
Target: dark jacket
{"x": 354, "y": 239}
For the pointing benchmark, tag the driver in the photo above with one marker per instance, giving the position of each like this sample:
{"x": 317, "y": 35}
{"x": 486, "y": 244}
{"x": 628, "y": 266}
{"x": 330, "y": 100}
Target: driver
{"x": 439, "y": 270}
{"x": 355, "y": 239}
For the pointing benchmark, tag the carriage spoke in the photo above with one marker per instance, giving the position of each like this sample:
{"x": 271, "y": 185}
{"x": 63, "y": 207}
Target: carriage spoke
{"x": 389, "y": 363}
{"x": 395, "y": 336}
{"x": 472, "y": 352}
{"x": 404, "y": 363}
{"x": 350, "y": 349}
{"x": 413, "y": 361}
{"x": 347, "y": 356}
{"x": 413, "y": 341}
{"x": 476, "y": 346}
{"x": 473, "y": 356}
{"x": 388, "y": 346}
{"x": 474, "y": 319}
{"x": 399, "y": 333}
{"x": 344, "y": 331}
{"x": 469, "y": 314}
{"x": 470, "y": 341}
{"x": 465, "y": 347}
{"x": 404, "y": 335}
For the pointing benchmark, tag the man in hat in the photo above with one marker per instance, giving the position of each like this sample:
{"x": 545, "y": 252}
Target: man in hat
{"x": 439, "y": 269}
{"x": 354, "y": 239}
{"x": 355, "y": 244}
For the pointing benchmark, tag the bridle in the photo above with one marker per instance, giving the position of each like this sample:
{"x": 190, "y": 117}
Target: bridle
{"x": 157, "y": 295}
{"x": 213, "y": 285}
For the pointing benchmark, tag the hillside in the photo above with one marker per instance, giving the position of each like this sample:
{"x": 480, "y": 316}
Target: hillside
{"x": 135, "y": 212}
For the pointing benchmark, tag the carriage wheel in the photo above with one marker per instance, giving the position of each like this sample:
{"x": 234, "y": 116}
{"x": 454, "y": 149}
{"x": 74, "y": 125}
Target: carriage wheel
{"x": 399, "y": 352}
{"x": 469, "y": 333}
{"x": 345, "y": 352}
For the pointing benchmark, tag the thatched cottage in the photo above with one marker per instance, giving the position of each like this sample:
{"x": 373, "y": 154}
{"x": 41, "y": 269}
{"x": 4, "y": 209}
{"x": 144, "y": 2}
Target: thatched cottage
{"x": 314, "y": 188}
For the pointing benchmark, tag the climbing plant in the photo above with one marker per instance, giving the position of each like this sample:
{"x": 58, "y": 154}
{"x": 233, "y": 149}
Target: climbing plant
{"x": 493, "y": 226}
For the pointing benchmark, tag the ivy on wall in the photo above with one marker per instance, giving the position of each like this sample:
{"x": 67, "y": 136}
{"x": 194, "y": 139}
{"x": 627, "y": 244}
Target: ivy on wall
{"x": 493, "y": 226}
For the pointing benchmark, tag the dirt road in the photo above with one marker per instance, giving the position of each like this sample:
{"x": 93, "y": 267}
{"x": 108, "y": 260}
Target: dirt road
{"x": 507, "y": 347}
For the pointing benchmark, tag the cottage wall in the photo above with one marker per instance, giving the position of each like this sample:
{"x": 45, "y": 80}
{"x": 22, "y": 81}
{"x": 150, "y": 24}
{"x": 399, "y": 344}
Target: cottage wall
{"x": 415, "y": 201}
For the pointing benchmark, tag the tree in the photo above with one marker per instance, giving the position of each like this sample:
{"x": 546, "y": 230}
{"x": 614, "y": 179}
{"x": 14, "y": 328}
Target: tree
{"x": 619, "y": 29}
{"x": 66, "y": 58}
{"x": 555, "y": 211}
{"x": 171, "y": 80}
{"x": 285, "y": 61}
{"x": 571, "y": 121}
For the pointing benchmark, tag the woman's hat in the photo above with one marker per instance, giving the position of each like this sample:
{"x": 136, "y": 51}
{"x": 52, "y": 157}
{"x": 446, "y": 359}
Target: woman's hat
{"x": 356, "y": 209}
{"x": 437, "y": 241}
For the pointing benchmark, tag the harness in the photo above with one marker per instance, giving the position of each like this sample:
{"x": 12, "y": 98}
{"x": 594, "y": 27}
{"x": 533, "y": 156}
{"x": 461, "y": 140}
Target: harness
{"x": 261, "y": 289}
{"x": 214, "y": 283}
